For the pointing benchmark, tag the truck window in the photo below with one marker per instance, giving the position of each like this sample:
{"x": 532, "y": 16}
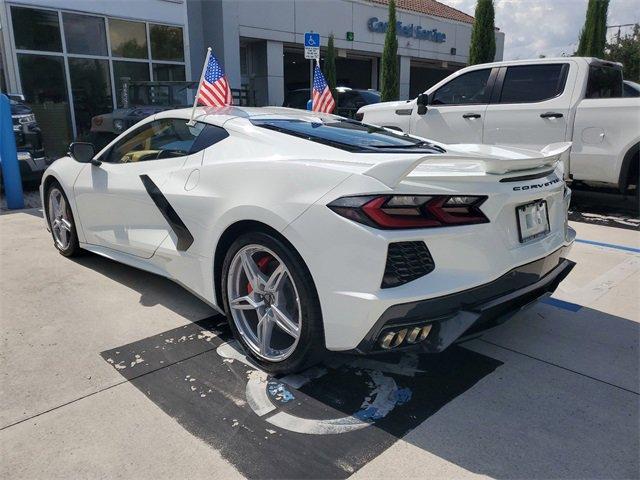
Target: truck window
{"x": 469, "y": 88}
{"x": 533, "y": 83}
{"x": 604, "y": 82}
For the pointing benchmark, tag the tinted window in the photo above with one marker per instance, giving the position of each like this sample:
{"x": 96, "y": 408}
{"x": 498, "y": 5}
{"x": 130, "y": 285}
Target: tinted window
{"x": 84, "y": 34}
{"x": 629, "y": 91}
{"x": 131, "y": 70}
{"x": 166, "y": 138}
{"x": 36, "y": 29}
{"x": 346, "y": 134}
{"x": 44, "y": 85}
{"x": 370, "y": 97}
{"x": 210, "y": 135}
{"x": 533, "y": 83}
{"x": 349, "y": 99}
{"x": 604, "y": 82}
{"x": 128, "y": 39}
{"x": 166, "y": 43}
{"x": 168, "y": 72}
{"x": 468, "y": 88}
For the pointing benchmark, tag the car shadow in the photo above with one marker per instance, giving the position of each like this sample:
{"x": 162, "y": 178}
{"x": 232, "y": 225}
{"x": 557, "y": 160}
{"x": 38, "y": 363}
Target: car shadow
{"x": 153, "y": 289}
{"x": 492, "y": 406}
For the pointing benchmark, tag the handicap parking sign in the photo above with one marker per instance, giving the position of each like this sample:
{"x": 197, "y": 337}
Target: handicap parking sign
{"x": 312, "y": 39}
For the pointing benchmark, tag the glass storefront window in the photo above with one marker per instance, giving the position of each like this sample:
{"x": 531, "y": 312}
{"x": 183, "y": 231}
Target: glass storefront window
{"x": 128, "y": 39}
{"x": 166, "y": 43}
{"x": 132, "y": 70}
{"x": 36, "y": 29}
{"x": 170, "y": 73}
{"x": 91, "y": 90}
{"x": 45, "y": 88}
{"x": 85, "y": 34}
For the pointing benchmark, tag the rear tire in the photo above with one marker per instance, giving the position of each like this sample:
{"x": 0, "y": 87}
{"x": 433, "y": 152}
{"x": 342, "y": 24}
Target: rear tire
{"x": 277, "y": 300}
{"x": 61, "y": 222}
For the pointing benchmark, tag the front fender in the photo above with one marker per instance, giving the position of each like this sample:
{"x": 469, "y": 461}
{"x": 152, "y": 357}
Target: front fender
{"x": 65, "y": 171}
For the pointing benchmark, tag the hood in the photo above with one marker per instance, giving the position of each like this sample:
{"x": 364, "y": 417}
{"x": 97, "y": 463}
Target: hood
{"x": 384, "y": 106}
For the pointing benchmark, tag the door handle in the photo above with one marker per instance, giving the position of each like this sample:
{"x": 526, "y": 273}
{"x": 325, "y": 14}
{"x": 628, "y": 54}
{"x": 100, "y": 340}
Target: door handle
{"x": 551, "y": 115}
{"x": 471, "y": 115}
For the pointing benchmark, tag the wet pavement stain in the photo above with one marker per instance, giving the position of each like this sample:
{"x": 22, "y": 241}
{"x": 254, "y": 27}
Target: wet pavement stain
{"x": 351, "y": 409}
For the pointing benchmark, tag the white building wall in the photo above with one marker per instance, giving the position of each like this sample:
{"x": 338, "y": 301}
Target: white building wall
{"x": 288, "y": 20}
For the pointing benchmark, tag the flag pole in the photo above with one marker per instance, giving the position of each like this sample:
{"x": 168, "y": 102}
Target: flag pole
{"x": 191, "y": 123}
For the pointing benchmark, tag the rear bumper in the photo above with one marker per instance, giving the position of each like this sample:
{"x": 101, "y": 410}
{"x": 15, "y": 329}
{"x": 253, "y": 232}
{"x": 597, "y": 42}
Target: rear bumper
{"x": 470, "y": 311}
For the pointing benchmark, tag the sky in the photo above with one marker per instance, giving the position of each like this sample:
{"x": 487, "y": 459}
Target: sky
{"x": 547, "y": 27}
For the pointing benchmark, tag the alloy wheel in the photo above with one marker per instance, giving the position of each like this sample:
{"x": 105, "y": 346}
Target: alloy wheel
{"x": 264, "y": 302}
{"x": 59, "y": 220}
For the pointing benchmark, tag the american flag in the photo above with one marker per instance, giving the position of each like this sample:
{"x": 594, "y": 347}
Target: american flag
{"x": 214, "y": 89}
{"x": 322, "y": 99}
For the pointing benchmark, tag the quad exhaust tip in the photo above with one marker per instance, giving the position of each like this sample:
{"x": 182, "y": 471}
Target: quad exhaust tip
{"x": 395, "y": 338}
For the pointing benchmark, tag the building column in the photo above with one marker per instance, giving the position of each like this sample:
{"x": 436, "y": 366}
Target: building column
{"x": 374, "y": 73}
{"x": 404, "y": 77}
{"x": 275, "y": 73}
{"x": 231, "y": 42}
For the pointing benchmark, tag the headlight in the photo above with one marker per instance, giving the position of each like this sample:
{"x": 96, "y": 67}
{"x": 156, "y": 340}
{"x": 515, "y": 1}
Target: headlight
{"x": 118, "y": 125}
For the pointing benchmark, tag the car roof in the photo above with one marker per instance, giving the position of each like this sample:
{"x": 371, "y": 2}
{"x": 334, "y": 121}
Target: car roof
{"x": 220, "y": 115}
{"x": 545, "y": 60}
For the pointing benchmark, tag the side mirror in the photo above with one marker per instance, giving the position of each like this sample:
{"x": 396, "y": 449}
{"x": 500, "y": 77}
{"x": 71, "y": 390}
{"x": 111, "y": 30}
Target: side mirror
{"x": 83, "y": 152}
{"x": 423, "y": 101}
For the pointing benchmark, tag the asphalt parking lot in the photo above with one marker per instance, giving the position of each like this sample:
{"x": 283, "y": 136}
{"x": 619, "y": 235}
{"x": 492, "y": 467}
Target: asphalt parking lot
{"x": 109, "y": 372}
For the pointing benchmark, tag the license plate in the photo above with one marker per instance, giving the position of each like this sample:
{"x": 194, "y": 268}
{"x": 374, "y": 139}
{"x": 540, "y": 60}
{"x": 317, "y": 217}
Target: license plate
{"x": 533, "y": 220}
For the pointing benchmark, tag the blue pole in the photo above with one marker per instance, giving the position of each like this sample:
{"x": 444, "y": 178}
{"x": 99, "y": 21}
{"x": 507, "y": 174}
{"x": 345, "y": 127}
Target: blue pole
{"x": 9, "y": 157}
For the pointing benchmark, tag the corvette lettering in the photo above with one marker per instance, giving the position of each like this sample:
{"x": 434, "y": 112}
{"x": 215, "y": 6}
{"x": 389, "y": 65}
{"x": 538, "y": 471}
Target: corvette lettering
{"x": 537, "y": 185}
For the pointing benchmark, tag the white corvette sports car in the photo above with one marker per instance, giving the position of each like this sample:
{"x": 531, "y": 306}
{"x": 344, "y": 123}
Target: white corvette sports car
{"x": 314, "y": 232}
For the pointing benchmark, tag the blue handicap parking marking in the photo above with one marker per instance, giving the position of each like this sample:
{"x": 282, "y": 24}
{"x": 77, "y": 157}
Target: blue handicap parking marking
{"x": 609, "y": 245}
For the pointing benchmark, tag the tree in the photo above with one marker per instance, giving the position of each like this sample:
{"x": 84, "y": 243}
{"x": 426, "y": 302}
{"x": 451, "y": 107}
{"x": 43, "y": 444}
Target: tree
{"x": 390, "y": 86}
{"x": 483, "y": 38}
{"x": 330, "y": 67}
{"x": 593, "y": 36}
{"x": 626, "y": 50}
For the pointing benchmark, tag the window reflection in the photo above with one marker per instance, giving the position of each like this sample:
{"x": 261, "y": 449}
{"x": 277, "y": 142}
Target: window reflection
{"x": 128, "y": 39}
{"x": 91, "y": 91}
{"x": 44, "y": 87}
{"x": 132, "y": 71}
{"x": 84, "y": 34}
{"x": 36, "y": 29}
{"x": 166, "y": 43}
{"x": 170, "y": 73}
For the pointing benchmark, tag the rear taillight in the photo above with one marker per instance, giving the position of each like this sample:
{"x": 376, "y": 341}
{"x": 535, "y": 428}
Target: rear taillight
{"x": 411, "y": 211}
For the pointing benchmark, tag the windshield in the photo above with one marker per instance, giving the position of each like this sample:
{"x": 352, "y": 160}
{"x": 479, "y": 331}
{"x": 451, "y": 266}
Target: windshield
{"x": 348, "y": 135}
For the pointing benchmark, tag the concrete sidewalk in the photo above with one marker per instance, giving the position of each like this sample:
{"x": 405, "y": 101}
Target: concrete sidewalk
{"x": 551, "y": 394}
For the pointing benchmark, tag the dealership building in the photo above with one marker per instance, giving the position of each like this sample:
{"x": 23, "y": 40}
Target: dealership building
{"x": 68, "y": 57}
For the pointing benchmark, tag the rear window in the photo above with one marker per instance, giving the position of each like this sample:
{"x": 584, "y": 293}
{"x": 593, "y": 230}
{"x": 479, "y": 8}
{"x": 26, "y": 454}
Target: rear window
{"x": 349, "y": 135}
{"x": 533, "y": 83}
{"x": 604, "y": 82}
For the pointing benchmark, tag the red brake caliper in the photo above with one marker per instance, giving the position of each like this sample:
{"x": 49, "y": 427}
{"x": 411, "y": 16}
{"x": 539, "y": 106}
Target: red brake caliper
{"x": 262, "y": 265}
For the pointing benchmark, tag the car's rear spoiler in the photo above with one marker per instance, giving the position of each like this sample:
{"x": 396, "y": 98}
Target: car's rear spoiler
{"x": 493, "y": 160}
